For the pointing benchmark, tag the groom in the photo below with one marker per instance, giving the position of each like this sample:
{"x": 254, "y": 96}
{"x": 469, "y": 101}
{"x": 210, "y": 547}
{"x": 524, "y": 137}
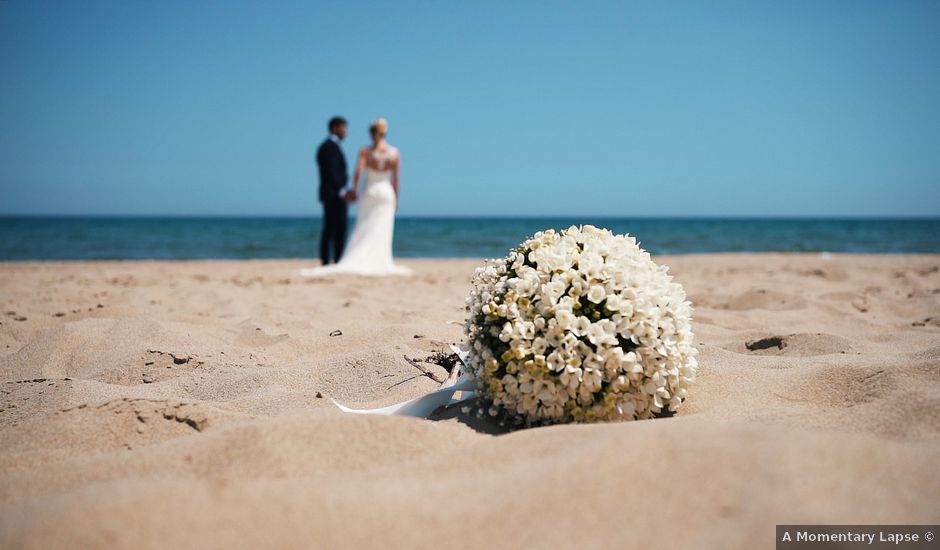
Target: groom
{"x": 333, "y": 177}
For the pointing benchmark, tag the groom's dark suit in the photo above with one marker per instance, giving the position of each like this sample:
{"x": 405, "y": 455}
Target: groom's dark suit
{"x": 333, "y": 177}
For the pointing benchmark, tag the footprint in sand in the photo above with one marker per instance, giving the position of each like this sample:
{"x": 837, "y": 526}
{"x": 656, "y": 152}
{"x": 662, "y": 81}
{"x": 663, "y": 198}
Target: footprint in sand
{"x": 848, "y": 385}
{"x": 127, "y": 419}
{"x": 254, "y": 336}
{"x": 858, "y": 300}
{"x": 829, "y": 273}
{"x": 893, "y": 399}
{"x": 931, "y": 355}
{"x": 796, "y": 345}
{"x": 765, "y": 299}
{"x": 155, "y": 366}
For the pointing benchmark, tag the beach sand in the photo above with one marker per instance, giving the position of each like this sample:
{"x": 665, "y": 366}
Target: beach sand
{"x": 186, "y": 404}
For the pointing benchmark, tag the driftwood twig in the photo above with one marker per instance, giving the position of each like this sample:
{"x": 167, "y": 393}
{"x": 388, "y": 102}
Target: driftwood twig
{"x": 423, "y": 369}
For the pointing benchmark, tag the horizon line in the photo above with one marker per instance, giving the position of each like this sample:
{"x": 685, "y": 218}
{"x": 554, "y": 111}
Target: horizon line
{"x": 501, "y": 217}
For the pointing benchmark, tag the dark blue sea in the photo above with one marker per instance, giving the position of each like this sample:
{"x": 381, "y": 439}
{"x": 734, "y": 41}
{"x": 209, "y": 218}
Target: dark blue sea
{"x": 48, "y": 238}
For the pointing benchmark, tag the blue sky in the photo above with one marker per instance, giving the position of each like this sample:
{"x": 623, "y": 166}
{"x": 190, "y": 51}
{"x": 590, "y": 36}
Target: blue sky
{"x": 750, "y": 108}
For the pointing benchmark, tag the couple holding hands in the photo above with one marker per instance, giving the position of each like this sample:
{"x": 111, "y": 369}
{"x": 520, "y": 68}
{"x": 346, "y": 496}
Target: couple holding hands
{"x": 370, "y": 248}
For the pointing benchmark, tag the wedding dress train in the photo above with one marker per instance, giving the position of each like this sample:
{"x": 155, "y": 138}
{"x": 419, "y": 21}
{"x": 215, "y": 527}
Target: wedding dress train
{"x": 369, "y": 251}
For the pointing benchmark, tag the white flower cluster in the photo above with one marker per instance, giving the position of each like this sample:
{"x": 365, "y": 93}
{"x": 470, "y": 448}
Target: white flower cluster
{"x": 579, "y": 326}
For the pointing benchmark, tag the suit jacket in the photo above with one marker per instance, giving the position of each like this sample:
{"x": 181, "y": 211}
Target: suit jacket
{"x": 333, "y": 171}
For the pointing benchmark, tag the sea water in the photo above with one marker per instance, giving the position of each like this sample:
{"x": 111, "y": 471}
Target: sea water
{"x": 51, "y": 238}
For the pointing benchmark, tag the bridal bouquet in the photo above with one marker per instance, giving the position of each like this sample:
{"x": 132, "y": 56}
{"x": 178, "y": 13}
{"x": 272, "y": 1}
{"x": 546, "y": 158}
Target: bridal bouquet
{"x": 578, "y": 326}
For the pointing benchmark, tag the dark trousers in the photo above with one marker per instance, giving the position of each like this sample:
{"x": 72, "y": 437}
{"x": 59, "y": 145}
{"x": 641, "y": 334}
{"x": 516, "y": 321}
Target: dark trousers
{"x": 333, "y": 236}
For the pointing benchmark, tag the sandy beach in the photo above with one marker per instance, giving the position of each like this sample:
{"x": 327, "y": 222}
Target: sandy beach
{"x": 187, "y": 404}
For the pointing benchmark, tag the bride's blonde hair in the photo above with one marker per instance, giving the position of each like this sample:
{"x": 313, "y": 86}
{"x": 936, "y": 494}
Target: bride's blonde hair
{"x": 379, "y": 126}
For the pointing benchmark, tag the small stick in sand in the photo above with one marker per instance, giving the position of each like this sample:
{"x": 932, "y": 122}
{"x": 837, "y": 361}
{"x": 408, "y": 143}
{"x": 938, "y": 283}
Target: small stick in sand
{"x": 403, "y": 381}
{"x": 427, "y": 373}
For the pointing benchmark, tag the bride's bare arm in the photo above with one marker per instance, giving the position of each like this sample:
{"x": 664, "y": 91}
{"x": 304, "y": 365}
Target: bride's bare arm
{"x": 360, "y": 164}
{"x": 395, "y": 168}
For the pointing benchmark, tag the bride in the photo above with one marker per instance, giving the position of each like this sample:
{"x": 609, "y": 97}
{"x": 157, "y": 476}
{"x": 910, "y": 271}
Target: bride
{"x": 369, "y": 251}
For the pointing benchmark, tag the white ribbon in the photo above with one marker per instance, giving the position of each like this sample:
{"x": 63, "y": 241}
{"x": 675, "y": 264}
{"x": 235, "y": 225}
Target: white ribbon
{"x": 423, "y": 406}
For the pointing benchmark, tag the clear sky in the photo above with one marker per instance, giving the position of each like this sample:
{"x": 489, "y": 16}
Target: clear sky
{"x": 619, "y": 108}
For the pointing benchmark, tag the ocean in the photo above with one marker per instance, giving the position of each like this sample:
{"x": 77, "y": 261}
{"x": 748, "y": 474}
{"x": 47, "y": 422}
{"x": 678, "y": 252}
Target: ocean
{"x": 112, "y": 238}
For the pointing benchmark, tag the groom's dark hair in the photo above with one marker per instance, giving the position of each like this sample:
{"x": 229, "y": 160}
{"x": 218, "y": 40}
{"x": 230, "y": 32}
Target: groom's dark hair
{"x": 336, "y": 121}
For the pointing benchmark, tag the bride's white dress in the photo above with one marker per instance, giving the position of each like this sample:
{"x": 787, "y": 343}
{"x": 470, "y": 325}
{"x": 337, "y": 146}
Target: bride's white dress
{"x": 369, "y": 251}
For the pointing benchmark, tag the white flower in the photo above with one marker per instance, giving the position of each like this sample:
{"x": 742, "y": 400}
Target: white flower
{"x": 591, "y": 264}
{"x": 554, "y": 334}
{"x": 556, "y": 361}
{"x": 539, "y": 345}
{"x": 596, "y": 294}
{"x": 580, "y": 326}
{"x": 614, "y": 302}
{"x": 570, "y": 376}
{"x": 591, "y": 379}
{"x": 565, "y": 318}
{"x": 602, "y": 332}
